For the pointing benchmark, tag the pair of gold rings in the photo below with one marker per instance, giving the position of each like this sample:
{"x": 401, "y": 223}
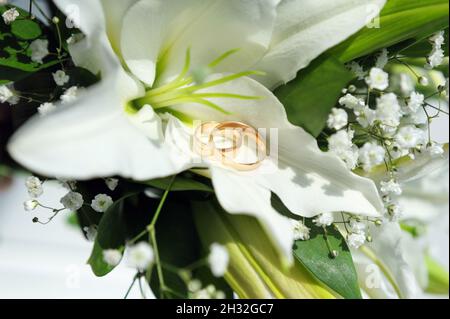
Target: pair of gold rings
{"x": 233, "y": 135}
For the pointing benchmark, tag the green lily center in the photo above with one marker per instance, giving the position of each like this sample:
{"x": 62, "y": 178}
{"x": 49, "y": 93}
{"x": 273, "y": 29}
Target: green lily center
{"x": 187, "y": 87}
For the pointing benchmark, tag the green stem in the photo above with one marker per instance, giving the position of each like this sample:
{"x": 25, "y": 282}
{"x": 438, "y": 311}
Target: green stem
{"x": 131, "y": 286}
{"x": 152, "y": 236}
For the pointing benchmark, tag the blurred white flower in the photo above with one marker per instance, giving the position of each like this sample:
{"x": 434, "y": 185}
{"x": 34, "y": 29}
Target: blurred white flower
{"x": 436, "y": 58}
{"x": 34, "y": 186}
{"x": 112, "y": 257}
{"x": 46, "y": 108}
{"x": 5, "y": 94}
{"x": 30, "y": 205}
{"x": 70, "y": 95}
{"x": 357, "y": 70}
{"x": 357, "y": 227}
{"x": 415, "y": 102}
{"x": 218, "y": 259}
{"x": 382, "y": 59}
{"x": 72, "y": 201}
{"x": 435, "y": 149}
{"x": 39, "y": 50}
{"x": 391, "y": 187}
{"x": 140, "y": 256}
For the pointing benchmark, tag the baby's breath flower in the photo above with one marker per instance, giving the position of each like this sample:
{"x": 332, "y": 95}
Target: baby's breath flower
{"x": 112, "y": 183}
{"x": 415, "y": 102}
{"x": 39, "y": 50}
{"x": 357, "y": 70}
{"x": 112, "y": 257}
{"x": 435, "y": 58}
{"x": 357, "y": 227}
{"x": 70, "y": 95}
{"x": 101, "y": 203}
{"x": 34, "y": 186}
{"x": 9, "y": 16}
{"x": 409, "y": 137}
{"x": 342, "y": 146}
{"x": 218, "y": 259}
{"x": 435, "y": 149}
{"x": 438, "y": 39}
{"x": 394, "y": 211}
{"x": 388, "y": 111}
{"x": 72, "y": 201}
{"x": 5, "y": 94}
{"x": 30, "y": 205}
{"x": 323, "y": 220}
{"x": 140, "y": 256}
{"x": 337, "y": 119}
{"x": 366, "y": 117}
{"x": 352, "y": 102}
{"x": 46, "y": 108}
{"x": 370, "y": 155}
{"x": 382, "y": 59}
{"x": 301, "y": 231}
{"x": 378, "y": 79}
{"x": 390, "y": 187}
{"x": 356, "y": 240}
{"x": 406, "y": 84}
{"x": 60, "y": 77}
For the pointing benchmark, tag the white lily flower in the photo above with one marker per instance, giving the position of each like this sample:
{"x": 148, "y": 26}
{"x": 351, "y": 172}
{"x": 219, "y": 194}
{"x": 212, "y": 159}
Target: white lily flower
{"x": 146, "y": 51}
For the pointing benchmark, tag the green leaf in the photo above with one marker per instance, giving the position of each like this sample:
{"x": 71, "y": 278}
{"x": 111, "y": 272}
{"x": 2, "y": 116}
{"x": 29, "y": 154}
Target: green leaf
{"x": 111, "y": 234}
{"x": 257, "y": 268}
{"x": 310, "y": 97}
{"x": 15, "y": 55}
{"x": 337, "y": 273}
{"x": 181, "y": 184}
{"x": 26, "y": 29}
{"x": 406, "y": 21}
{"x": 98, "y": 265}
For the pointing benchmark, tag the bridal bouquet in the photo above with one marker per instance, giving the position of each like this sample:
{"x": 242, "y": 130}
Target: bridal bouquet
{"x": 236, "y": 148}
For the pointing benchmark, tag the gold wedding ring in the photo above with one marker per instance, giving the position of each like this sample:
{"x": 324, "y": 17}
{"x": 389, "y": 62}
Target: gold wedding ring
{"x": 205, "y": 143}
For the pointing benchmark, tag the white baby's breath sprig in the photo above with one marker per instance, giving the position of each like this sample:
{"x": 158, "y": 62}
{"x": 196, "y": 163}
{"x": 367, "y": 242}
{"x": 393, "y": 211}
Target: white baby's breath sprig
{"x": 101, "y": 203}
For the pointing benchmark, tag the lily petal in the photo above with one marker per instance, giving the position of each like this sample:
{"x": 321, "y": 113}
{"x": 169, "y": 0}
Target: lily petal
{"x": 163, "y": 31}
{"x": 241, "y": 195}
{"x": 305, "y": 29}
{"x": 94, "y": 137}
{"x": 387, "y": 251}
{"x": 94, "y": 51}
{"x": 307, "y": 180}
